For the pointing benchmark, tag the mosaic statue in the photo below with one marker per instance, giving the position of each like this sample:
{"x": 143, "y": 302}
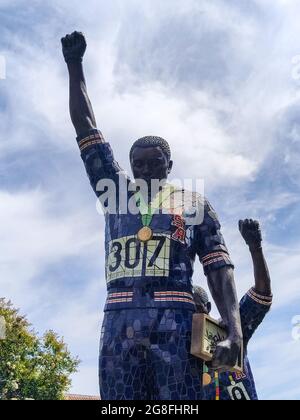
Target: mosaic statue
{"x": 150, "y": 254}
{"x": 254, "y": 306}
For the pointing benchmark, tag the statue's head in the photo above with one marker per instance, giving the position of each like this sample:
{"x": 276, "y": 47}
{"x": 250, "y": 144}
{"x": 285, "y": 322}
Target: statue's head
{"x": 150, "y": 158}
{"x": 201, "y": 300}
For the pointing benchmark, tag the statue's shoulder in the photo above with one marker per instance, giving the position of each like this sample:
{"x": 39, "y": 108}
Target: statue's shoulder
{"x": 193, "y": 198}
{"x": 183, "y": 201}
{"x": 192, "y": 202}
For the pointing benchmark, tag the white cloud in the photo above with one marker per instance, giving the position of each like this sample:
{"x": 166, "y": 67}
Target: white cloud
{"x": 40, "y": 90}
{"x": 275, "y": 374}
{"x": 33, "y": 239}
{"x": 78, "y": 320}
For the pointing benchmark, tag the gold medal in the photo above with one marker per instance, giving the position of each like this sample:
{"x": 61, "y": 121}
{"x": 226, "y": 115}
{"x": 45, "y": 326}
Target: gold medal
{"x": 145, "y": 234}
{"x": 206, "y": 379}
{"x": 147, "y": 210}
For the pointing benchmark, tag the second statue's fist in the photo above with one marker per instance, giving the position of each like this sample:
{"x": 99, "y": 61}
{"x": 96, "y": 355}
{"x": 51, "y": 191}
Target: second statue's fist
{"x": 250, "y": 231}
{"x": 73, "y": 46}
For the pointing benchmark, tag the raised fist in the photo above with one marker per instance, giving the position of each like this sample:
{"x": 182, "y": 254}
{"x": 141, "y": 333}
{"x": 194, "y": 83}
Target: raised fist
{"x": 73, "y": 46}
{"x": 250, "y": 231}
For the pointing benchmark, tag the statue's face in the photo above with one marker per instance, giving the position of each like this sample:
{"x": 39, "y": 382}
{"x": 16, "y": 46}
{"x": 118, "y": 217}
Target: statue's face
{"x": 149, "y": 163}
{"x": 203, "y": 308}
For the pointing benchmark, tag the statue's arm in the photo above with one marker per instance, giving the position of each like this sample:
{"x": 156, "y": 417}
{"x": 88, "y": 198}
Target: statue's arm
{"x": 222, "y": 287}
{"x": 257, "y": 301}
{"x": 81, "y": 110}
{"x": 250, "y": 231}
{"x": 218, "y": 268}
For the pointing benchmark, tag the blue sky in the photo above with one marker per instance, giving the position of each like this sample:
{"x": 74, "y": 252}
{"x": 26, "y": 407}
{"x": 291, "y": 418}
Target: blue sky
{"x": 221, "y": 81}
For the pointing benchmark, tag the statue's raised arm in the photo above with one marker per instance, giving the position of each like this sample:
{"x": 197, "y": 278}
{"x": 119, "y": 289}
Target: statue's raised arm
{"x": 81, "y": 111}
{"x": 95, "y": 152}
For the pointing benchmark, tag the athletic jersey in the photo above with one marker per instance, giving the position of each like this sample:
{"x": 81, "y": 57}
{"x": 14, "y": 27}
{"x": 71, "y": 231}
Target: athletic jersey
{"x": 236, "y": 386}
{"x": 158, "y": 273}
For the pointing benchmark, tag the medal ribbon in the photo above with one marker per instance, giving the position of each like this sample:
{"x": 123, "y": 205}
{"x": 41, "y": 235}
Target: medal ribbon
{"x": 148, "y": 210}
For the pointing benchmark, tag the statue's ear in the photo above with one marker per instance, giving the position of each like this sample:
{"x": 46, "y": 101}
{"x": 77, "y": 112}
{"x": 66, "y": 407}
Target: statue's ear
{"x": 208, "y": 307}
{"x": 170, "y": 166}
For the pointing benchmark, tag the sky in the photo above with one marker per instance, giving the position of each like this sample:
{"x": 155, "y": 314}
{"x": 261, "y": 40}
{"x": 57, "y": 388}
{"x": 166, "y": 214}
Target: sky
{"x": 220, "y": 80}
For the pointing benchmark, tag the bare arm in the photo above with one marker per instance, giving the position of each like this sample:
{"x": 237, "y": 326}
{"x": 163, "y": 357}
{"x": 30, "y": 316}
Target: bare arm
{"x": 81, "y": 110}
{"x": 261, "y": 273}
{"x": 222, "y": 287}
{"x": 250, "y": 231}
{"x": 218, "y": 269}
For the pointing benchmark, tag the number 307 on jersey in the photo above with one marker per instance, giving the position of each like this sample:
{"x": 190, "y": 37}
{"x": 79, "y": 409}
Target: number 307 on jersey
{"x": 128, "y": 257}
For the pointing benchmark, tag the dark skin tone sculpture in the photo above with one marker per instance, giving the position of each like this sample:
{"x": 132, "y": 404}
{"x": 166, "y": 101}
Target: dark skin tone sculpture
{"x": 250, "y": 231}
{"x": 151, "y": 163}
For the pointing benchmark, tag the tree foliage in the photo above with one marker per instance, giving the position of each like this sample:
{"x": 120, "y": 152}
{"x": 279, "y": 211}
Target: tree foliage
{"x": 32, "y": 367}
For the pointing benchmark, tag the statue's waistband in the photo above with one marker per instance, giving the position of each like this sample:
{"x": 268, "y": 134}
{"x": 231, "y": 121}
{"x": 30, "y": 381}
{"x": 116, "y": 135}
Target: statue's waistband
{"x": 157, "y": 299}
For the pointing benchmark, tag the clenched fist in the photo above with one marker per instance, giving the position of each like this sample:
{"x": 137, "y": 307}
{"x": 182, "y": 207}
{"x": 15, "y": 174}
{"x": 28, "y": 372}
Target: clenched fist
{"x": 226, "y": 354}
{"x": 73, "y": 46}
{"x": 250, "y": 231}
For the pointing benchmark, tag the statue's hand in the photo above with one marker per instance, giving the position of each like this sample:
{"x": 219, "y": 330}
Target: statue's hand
{"x": 250, "y": 231}
{"x": 73, "y": 46}
{"x": 226, "y": 354}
